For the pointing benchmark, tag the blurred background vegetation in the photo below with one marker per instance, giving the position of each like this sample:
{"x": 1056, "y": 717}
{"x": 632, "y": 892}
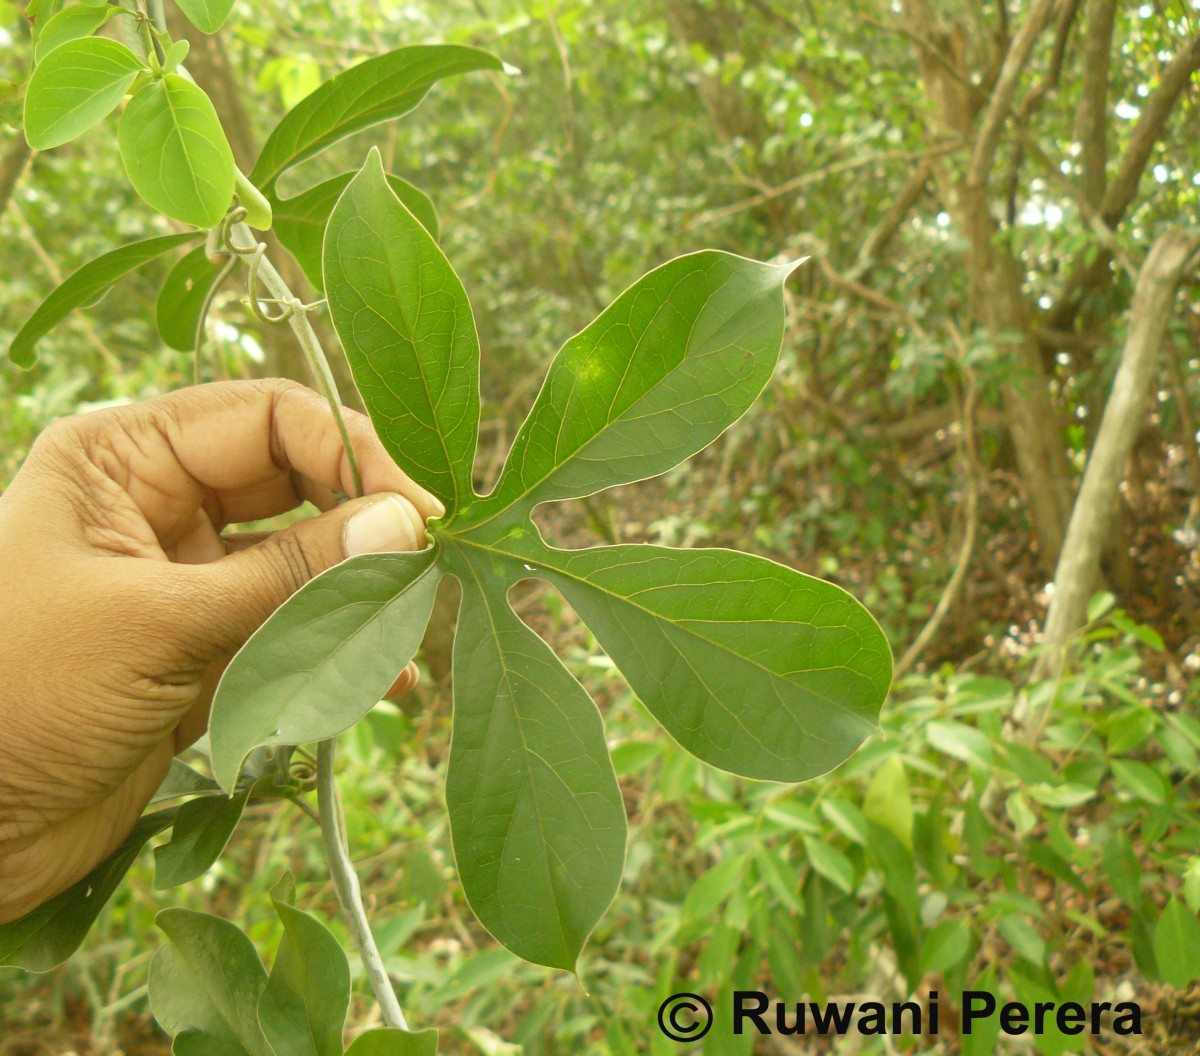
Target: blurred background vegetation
{"x": 975, "y": 225}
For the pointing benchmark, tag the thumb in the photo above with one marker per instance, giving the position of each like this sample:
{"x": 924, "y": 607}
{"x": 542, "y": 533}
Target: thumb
{"x": 245, "y": 587}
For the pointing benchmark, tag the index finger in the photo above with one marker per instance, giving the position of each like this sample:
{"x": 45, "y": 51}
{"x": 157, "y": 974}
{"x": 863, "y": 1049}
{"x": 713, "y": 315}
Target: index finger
{"x": 241, "y": 451}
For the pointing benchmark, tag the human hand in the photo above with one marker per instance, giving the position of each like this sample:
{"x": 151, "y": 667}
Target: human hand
{"x": 123, "y": 602}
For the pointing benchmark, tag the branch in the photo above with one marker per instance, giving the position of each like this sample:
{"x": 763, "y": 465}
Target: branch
{"x": 1078, "y": 569}
{"x": 891, "y": 221}
{"x": 966, "y": 451}
{"x": 1062, "y": 33}
{"x": 15, "y": 159}
{"x": 807, "y": 178}
{"x": 1149, "y": 130}
{"x": 1000, "y": 101}
{"x": 345, "y": 882}
{"x": 1091, "y": 116}
{"x": 1123, "y": 187}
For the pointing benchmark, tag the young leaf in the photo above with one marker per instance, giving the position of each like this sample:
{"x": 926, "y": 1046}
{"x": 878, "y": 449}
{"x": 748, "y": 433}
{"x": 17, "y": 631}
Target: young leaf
{"x": 76, "y": 86}
{"x": 660, "y": 374}
{"x": 182, "y": 299}
{"x": 319, "y": 664}
{"x": 182, "y": 780}
{"x": 43, "y": 939}
{"x": 70, "y": 24}
{"x": 536, "y": 814}
{"x": 202, "y": 829}
{"x": 1177, "y": 945}
{"x": 206, "y": 15}
{"x": 175, "y": 151}
{"x": 300, "y": 221}
{"x": 385, "y": 87}
{"x": 751, "y": 666}
{"x": 391, "y": 1041}
{"x": 303, "y": 1009}
{"x": 207, "y": 978}
{"x": 403, "y": 318}
{"x": 85, "y": 287}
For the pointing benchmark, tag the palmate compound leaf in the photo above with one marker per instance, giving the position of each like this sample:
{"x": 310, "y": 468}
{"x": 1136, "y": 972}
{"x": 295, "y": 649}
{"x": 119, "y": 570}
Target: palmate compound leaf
{"x": 752, "y": 666}
{"x": 43, "y": 939}
{"x": 303, "y": 1008}
{"x": 72, "y": 23}
{"x": 391, "y": 1041}
{"x": 300, "y": 221}
{"x": 324, "y": 658}
{"x": 379, "y": 89}
{"x": 661, "y": 373}
{"x": 206, "y": 982}
{"x": 403, "y": 318}
{"x": 536, "y": 813}
{"x": 180, "y": 306}
{"x": 76, "y": 86}
{"x": 85, "y": 287}
{"x": 202, "y": 829}
{"x": 175, "y": 151}
{"x": 206, "y": 15}
{"x": 790, "y": 671}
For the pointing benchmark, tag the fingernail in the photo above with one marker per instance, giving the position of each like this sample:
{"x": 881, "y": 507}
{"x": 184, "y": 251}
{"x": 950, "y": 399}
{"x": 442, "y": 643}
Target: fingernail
{"x": 439, "y": 506}
{"x": 384, "y": 525}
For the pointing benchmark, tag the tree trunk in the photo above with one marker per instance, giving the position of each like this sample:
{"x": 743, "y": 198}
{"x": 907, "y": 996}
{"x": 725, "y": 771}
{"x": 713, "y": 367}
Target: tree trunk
{"x": 997, "y": 302}
{"x": 1078, "y": 572}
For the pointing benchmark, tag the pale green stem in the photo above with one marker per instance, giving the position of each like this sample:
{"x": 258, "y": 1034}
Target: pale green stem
{"x": 157, "y": 14}
{"x": 243, "y": 239}
{"x": 345, "y": 883}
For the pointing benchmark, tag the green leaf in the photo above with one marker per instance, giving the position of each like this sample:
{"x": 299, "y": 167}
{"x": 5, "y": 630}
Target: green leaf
{"x": 1177, "y": 945}
{"x": 751, "y": 666}
{"x": 182, "y": 298}
{"x": 659, "y": 375}
{"x": 182, "y": 780}
{"x": 960, "y": 741}
{"x": 317, "y": 666}
{"x": 43, "y": 939}
{"x": 206, "y": 15}
{"x": 535, "y": 810}
{"x": 176, "y": 153}
{"x": 946, "y": 946}
{"x": 1142, "y": 780}
{"x": 207, "y": 978}
{"x": 300, "y": 221}
{"x": 202, "y": 829}
{"x": 85, "y": 287}
{"x": 76, "y": 86}
{"x": 12, "y": 102}
{"x": 379, "y": 89}
{"x": 194, "y": 1042}
{"x": 830, "y": 863}
{"x": 405, "y": 323}
{"x": 391, "y": 1041}
{"x": 889, "y": 802}
{"x": 303, "y": 1009}
{"x": 69, "y": 24}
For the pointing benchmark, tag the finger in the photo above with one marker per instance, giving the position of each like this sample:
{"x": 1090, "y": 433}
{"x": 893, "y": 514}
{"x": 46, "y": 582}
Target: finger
{"x": 230, "y": 598}
{"x": 239, "y": 450}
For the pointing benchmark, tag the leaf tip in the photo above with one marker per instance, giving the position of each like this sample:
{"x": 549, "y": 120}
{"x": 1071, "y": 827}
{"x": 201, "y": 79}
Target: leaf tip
{"x": 22, "y": 357}
{"x": 790, "y": 266}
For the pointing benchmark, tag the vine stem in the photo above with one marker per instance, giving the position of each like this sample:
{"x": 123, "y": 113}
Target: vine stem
{"x": 345, "y": 882}
{"x": 243, "y": 241}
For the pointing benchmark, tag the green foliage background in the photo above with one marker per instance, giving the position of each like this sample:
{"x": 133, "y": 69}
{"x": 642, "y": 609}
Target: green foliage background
{"x": 637, "y": 132}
